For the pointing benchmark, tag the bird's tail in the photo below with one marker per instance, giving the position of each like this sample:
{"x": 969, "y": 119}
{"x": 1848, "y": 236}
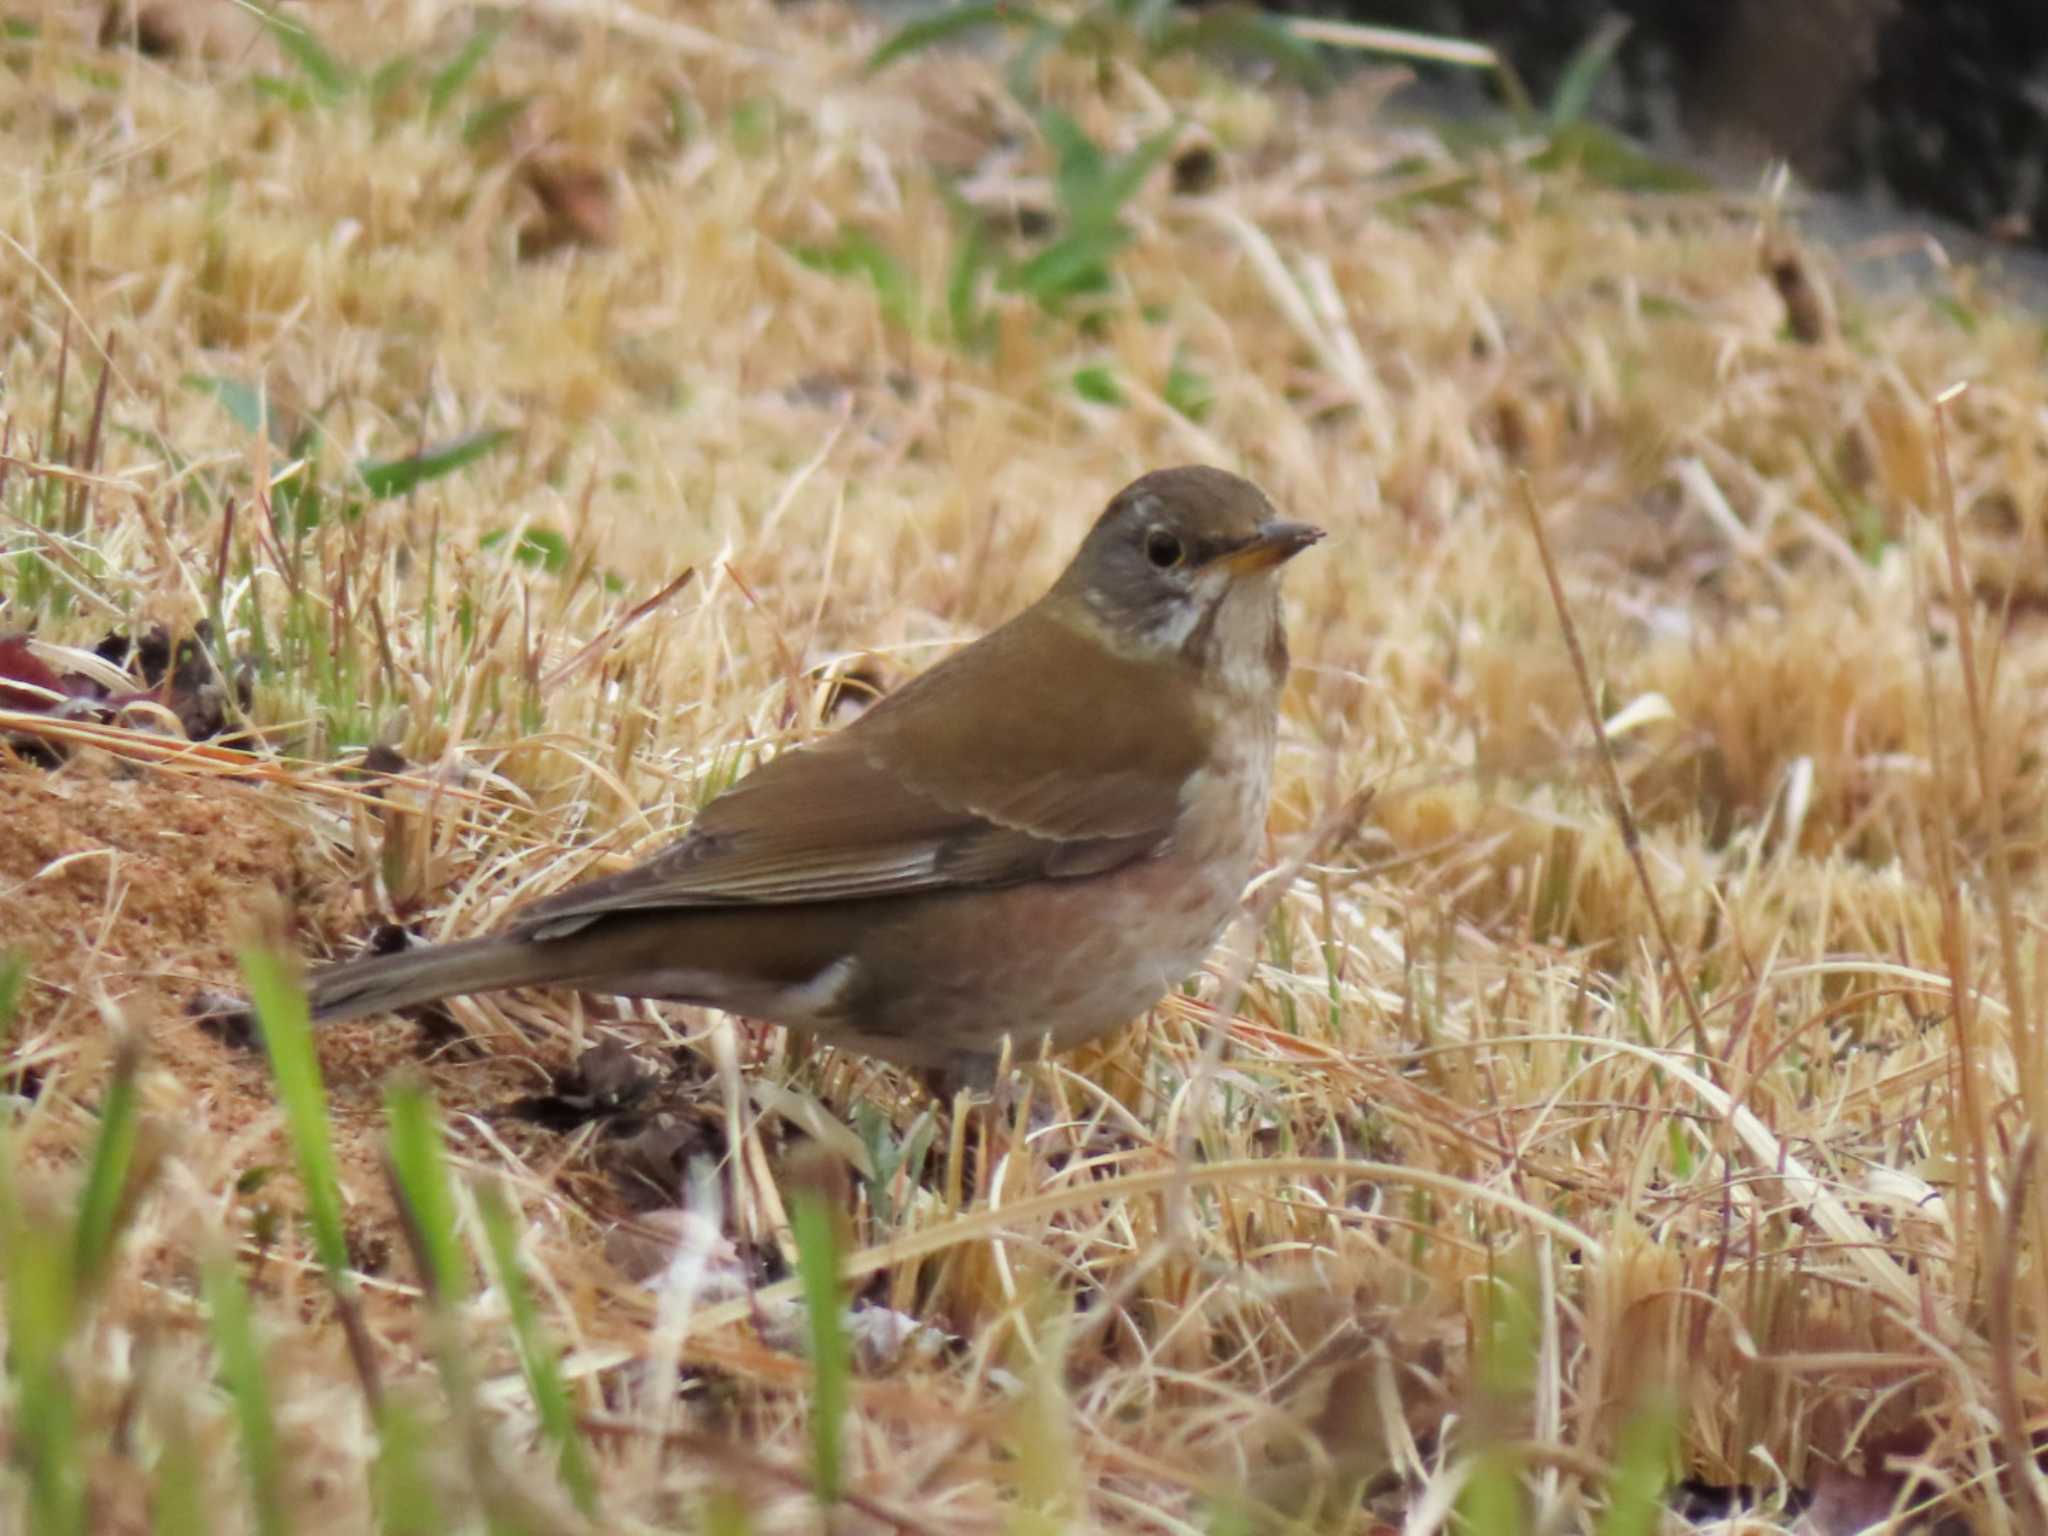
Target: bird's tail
{"x": 384, "y": 983}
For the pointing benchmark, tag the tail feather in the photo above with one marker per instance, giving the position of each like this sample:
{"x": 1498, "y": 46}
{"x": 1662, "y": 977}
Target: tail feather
{"x": 385, "y": 983}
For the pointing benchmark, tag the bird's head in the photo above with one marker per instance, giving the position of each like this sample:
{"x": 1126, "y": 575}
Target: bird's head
{"x": 1184, "y": 565}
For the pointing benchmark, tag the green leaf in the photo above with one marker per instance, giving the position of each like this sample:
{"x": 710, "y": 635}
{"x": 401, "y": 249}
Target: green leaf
{"x": 954, "y": 21}
{"x": 1078, "y": 167}
{"x": 1068, "y": 268}
{"x": 1681, "y": 1148}
{"x": 13, "y": 982}
{"x": 1092, "y": 189}
{"x": 327, "y": 75}
{"x": 450, "y": 78}
{"x": 42, "y": 1311}
{"x": 420, "y": 1173}
{"x": 1188, "y": 392}
{"x": 1583, "y": 70}
{"x": 1242, "y": 30}
{"x": 243, "y": 402}
{"x": 536, "y": 1358}
{"x": 106, "y": 1194}
{"x": 247, "y": 1375}
{"x": 817, "y": 1267}
{"x": 1612, "y": 161}
{"x": 389, "y": 78}
{"x": 385, "y": 478}
{"x": 1147, "y": 18}
{"x": 973, "y": 327}
{"x": 1021, "y": 73}
{"x": 177, "y": 1499}
{"x": 1099, "y": 385}
{"x": 753, "y": 124}
{"x": 285, "y": 1022}
{"x": 1642, "y": 1468}
{"x": 541, "y": 548}
{"x": 293, "y": 93}
{"x": 1129, "y": 173}
{"x": 1491, "y": 1500}
{"x": 1957, "y": 313}
{"x": 858, "y": 253}
{"x": 492, "y": 118}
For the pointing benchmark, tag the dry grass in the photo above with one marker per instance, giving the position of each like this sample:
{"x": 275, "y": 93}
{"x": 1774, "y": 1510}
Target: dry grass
{"x": 1461, "y": 1068}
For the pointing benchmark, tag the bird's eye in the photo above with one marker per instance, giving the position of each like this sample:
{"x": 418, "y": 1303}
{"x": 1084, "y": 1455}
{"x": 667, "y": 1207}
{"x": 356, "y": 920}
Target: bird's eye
{"x": 1163, "y": 549}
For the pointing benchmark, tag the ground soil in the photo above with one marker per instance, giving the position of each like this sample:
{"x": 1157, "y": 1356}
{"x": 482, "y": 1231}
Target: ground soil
{"x": 128, "y": 890}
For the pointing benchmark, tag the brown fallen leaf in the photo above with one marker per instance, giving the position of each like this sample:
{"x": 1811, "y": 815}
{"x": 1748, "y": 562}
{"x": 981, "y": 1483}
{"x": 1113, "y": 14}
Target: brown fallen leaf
{"x": 172, "y": 29}
{"x": 577, "y": 207}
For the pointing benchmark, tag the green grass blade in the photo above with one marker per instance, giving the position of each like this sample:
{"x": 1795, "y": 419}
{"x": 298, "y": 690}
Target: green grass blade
{"x": 1078, "y": 163}
{"x": 1491, "y": 1502}
{"x": 946, "y": 25}
{"x": 1240, "y": 29}
{"x": 42, "y": 1309}
{"x": 1123, "y": 179}
{"x": 243, "y": 402}
{"x": 859, "y": 253}
{"x": 1097, "y": 384}
{"x": 450, "y": 78}
{"x": 966, "y": 311}
{"x": 1583, "y": 70}
{"x": 41, "y": 1313}
{"x": 1068, "y": 268}
{"x": 1642, "y": 1469}
{"x": 286, "y": 1025}
{"x": 13, "y": 983}
{"x": 328, "y": 77}
{"x": 177, "y": 1505}
{"x": 407, "y": 1504}
{"x": 817, "y": 1266}
{"x": 420, "y": 1174}
{"x": 725, "y": 1514}
{"x": 102, "y": 1204}
{"x": 536, "y": 1358}
{"x": 492, "y": 118}
{"x": 245, "y": 1373}
{"x": 385, "y": 478}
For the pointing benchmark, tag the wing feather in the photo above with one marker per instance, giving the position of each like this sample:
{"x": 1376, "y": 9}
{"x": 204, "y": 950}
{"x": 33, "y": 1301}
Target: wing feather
{"x": 956, "y": 781}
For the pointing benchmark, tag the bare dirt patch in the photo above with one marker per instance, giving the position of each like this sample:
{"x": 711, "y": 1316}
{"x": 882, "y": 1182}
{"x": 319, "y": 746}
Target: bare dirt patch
{"x": 128, "y": 891}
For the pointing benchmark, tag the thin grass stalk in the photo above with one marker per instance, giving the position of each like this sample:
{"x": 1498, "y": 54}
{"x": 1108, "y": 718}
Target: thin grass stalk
{"x": 13, "y": 984}
{"x": 536, "y": 1358}
{"x": 41, "y": 1315}
{"x": 818, "y": 1270}
{"x": 106, "y": 1194}
{"x": 177, "y": 1503}
{"x": 416, "y": 1167}
{"x": 1611, "y": 785}
{"x": 245, "y": 1370}
{"x": 2027, "y": 1036}
{"x": 284, "y": 1019}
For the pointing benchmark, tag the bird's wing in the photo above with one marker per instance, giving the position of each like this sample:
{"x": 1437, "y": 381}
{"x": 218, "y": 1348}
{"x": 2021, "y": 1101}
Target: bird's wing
{"x": 964, "y": 778}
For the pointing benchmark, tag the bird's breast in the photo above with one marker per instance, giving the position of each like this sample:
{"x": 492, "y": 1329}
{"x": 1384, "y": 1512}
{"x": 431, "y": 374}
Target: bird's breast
{"x": 1223, "y": 803}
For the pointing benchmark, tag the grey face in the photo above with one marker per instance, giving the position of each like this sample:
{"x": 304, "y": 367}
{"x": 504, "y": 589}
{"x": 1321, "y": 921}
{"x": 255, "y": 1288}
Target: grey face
{"x": 1169, "y": 550}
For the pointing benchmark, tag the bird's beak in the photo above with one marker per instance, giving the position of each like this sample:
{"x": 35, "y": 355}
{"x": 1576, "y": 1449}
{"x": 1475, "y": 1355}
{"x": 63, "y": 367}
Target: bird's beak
{"x": 1273, "y": 543}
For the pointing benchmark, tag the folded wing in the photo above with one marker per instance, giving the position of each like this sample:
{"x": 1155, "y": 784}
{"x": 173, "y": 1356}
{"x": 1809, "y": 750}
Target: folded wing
{"x": 947, "y": 784}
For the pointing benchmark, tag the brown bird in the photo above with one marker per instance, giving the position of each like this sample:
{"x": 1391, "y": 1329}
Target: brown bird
{"x": 1035, "y": 839}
